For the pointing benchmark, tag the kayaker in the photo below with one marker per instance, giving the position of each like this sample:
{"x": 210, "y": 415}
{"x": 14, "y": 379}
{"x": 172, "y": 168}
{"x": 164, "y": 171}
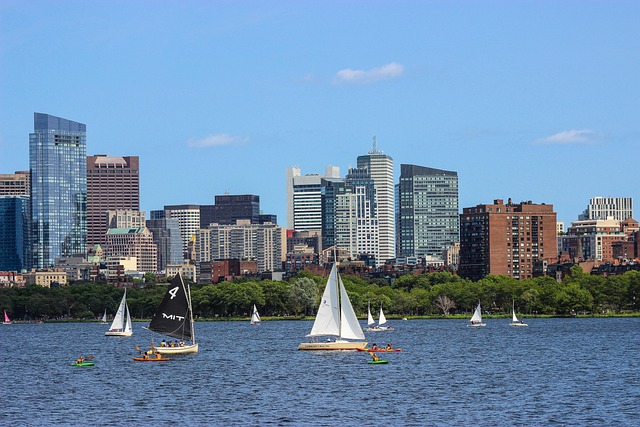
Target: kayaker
{"x": 375, "y": 357}
{"x": 80, "y": 360}
{"x": 389, "y": 346}
{"x": 374, "y": 346}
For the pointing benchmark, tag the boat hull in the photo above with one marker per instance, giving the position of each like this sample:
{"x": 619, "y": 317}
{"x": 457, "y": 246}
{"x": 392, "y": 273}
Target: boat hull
{"x": 83, "y": 364}
{"x": 333, "y": 345}
{"x": 118, "y": 333}
{"x": 378, "y": 329}
{"x": 518, "y": 324}
{"x": 192, "y": 348}
{"x": 151, "y": 359}
{"x": 477, "y": 325}
{"x": 377, "y": 362}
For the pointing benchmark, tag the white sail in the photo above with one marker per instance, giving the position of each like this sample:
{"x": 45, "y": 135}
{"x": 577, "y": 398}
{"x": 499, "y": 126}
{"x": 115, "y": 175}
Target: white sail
{"x": 328, "y": 316}
{"x": 255, "y": 317}
{"x": 118, "y": 319}
{"x": 370, "y": 320}
{"x": 514, "y": 318}
{"x": 349, "y": 325}
{"x": 477, "y": 315}
{"x": 382, "y": 319}
{"x": 104, "y": 317}
{"x": 127, "y": 326}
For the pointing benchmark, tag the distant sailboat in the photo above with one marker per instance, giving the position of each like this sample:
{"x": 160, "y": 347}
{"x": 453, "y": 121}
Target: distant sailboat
{"x": 104, "y": 318}
{"x": 335, "y": 317}
{"x": 6, "y": 321}
{"x": 381, "y": 321}
{"x": 514, "y": 319}
{"x": 476, "y": 319}
{"x": 255, "y": 317}
{"x": 121, "y": 325}
{"x": 174, "y": 318}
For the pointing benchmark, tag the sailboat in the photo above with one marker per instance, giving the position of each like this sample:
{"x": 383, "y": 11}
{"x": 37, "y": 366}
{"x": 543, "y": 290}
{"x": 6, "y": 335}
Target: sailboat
{"x": 372, "y": 327}
{"x": 121, "y": 327}
{"x": 6, "y": 321}
{"x": 174, "y": 318}
{"x": 514, "y": 318}
{"x": 476, "y": 319}
{"x": 255, "y": 317}
{"x": 335, "y": 317}
{"x": 104, "y": 318}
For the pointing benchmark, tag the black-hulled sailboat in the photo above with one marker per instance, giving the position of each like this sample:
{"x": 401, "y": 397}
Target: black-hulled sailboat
{"x": 174, "y": 318}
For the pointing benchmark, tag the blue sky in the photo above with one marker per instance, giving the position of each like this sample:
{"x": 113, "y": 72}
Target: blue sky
{"x": 529, "y": 100}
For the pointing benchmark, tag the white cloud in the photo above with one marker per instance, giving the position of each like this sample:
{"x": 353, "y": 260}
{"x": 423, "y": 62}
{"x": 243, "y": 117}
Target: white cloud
{"x": 217, "y": 141}
{"x": 386, "y": 72}
{"x": 574, "y": 136}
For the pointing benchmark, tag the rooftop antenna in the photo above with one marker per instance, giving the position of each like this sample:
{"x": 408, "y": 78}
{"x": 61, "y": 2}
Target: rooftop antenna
{"x": 374, "y": 150}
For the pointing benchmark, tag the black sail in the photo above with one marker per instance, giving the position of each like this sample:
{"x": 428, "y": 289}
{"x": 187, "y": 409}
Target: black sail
{"x": 173, "y": 317}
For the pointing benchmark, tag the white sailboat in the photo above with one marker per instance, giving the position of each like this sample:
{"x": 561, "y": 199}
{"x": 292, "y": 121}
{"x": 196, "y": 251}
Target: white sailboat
{"x": 121, "y": 325}
{"x": 255, "y": 317}
{"x": 381, "y": 321}
{"x": 104, "y": 318}
{"x": 514, "y": 319}
{"x": 335, "y": 317}
{"x": 476, "y": 319}
{"x": 174, "y": 318}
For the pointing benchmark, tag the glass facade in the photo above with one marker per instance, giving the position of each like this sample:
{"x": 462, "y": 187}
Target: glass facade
{"x": 14, "y": 233}
{"x": 57, "y": 161}
{"x": 428, "y": 210}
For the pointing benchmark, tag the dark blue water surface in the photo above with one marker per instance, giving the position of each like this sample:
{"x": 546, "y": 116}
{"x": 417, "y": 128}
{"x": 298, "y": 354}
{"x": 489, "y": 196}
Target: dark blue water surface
{"x": 555, "y": 372}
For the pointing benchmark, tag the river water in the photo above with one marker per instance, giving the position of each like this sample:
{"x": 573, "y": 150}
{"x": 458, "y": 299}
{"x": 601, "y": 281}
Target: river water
{"x": 555, "y": 372}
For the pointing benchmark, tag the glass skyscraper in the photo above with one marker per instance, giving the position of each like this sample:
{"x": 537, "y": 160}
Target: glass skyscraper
{"x": 58, "y": 165}
{"x": 428, "y": 211}
{"x": 14, "y": 227}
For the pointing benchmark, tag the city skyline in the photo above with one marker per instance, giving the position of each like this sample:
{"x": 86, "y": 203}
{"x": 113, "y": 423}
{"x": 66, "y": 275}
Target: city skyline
{"x": 528, "y": 101}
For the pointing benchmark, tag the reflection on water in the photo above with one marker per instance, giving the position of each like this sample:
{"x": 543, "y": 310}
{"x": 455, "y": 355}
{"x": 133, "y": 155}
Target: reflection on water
{"x": 557, "y": 371}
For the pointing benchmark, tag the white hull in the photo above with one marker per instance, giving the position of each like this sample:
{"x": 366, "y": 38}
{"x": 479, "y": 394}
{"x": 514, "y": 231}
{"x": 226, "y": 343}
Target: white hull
{"x": 118, "y": 333}
{"x": 333, "y": 345}
{"x": 518, "y": 324}
{"x": 378, "y": 329}
{"x": 475, "y": 325}
{"x": 192, "y": 348}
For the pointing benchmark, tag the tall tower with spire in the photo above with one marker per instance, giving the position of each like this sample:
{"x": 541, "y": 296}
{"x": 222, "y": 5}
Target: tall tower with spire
{"x": 380, "y": 167}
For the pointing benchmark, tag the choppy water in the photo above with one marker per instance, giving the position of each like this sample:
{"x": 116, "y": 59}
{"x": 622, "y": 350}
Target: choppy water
{"x": 556, "y": 372}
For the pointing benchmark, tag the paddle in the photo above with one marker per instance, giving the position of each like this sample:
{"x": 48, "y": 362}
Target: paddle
{"x": 90, "y": 357}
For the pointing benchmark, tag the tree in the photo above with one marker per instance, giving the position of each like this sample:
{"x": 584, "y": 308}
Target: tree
{"x": 444, "y": 303}
{"x": 303, "y": 296}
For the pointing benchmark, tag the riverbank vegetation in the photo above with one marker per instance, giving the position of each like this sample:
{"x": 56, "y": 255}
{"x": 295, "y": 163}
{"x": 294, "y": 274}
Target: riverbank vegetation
{"x": 436, "y": 294}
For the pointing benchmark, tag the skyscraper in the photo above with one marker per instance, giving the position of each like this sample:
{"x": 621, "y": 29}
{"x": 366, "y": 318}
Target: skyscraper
{"x": 618, "y": 208}
{"x": 113, "y": 183}
{"x": 14, "y": 227}
{"x": 428, "y": 217}
{"x": 380, "y": 167}
{"x": 58, "y": 166}
{"x": 304, "y": 206}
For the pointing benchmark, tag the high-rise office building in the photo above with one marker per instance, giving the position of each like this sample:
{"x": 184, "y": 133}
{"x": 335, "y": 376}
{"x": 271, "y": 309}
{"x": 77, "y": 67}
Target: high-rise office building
{"x": 380, "y": 167}
{"x": 188, "y": 217}
{"x": 304, "y": 204}
{"x": 506, "y": 239}
{"x": 428, "y": 217}
{"x": 133, "y": 242}
{"x": 58, "y": 166}
{"x": 229, "y": 208}
{"x": 113, "y": 183}
{"x": 166, "y": 236}
{"x": 618, "y": 208}
{"x": 14, "y": 233}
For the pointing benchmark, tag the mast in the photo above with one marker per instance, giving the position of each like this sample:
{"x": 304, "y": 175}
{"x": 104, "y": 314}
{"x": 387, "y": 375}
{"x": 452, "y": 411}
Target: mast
{"x": 193, "y": 331}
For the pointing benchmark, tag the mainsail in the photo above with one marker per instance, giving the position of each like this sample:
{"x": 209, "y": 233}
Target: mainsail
{"x": 118, "y": 320}
{"x": 477, "y": 315}
{"x": 173, "y": 317}
{"x": 255, "y": 317}
{"x": 370, "y": 320}
{"x": 382, "y": 319}
{"x": 328, "y": 316}
{"x": 349, "y": 325}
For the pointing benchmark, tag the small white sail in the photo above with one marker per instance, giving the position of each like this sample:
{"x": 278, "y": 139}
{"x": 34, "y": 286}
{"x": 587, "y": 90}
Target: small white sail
{"x": 104, "y": 317}
{"x": 349, "y": 325}
{"x": 477, "y": 315}
{"x": 328, "y": 316}
{"x": 118, "y": 319}
{"x": 514, "y": 318}
{"x": 382, "y": 319}
{"x": 255, "y": 317}
{"x": 128, "y": 327}
{"x": 370, "y": 320}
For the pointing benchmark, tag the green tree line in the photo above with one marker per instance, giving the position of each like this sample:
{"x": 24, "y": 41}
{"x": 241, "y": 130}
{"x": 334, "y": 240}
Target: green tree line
{"x": 439, "y": 293}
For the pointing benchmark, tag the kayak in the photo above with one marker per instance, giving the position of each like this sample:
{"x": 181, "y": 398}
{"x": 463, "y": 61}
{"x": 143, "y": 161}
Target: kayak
{"x": 380, "y": 350}
{"x": 151, "y": 359}
{"x": 83, "y": 364}
{"x": 377, "y": 362}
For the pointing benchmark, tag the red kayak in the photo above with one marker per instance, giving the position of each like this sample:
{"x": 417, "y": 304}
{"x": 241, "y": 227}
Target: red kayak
{"x": 380, "y": 350}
